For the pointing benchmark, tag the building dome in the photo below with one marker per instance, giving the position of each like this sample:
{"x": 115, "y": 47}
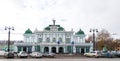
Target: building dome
{"x": 80, "y": 32}
{"x": 47, "y": 28}
{"x": 28, "y": 31}
{"x": 60, "y": 29}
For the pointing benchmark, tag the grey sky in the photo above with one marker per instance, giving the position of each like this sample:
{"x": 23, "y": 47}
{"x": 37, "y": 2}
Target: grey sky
{"x": 76, "y": 14}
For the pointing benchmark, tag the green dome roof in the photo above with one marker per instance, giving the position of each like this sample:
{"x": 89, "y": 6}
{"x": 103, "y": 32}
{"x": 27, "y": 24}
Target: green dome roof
{"x": 47, "y": 28}
{"x": 28, "y": 31}
{"x": 60, "y": 28}
{"x": 80, "y": 32}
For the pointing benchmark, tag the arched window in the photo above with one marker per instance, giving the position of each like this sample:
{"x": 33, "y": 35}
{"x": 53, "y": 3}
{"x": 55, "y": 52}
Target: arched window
{"x": 60, "y": 40}
{"x": 54, "y": 40}
{"x": 39, "y": 40}
{"x": 47, "y": 40}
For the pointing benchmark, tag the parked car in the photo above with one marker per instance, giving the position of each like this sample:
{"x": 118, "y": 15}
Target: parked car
{"x": 93, "y": 54}
{"x": 2, "y": 53}
{"x": 22, "y": 54}
{"x": 117, "y": 54}
{"x": 36, "y": 55}
{"x": 108, "y": 54}
{"x": 47, "y": 54}
{"x": 9, "y": 54}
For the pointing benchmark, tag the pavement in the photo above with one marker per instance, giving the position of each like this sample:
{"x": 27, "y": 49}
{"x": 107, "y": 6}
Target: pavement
{"x": 58, "y": 56}
{"x": 70, "y": 56}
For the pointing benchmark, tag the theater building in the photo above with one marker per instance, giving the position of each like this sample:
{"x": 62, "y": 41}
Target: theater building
{"x": 54, "y": 38}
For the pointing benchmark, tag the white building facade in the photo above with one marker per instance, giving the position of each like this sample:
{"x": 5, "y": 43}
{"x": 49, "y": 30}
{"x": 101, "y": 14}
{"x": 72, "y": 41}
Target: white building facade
{"x": 54, "y": 39}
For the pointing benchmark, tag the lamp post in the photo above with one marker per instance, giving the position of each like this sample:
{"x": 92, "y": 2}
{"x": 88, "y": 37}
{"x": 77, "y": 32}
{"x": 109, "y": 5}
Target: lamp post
{"x": 9, "y": 28}
{"x": 72, "y": 43}
{"x": 93, "y": 31}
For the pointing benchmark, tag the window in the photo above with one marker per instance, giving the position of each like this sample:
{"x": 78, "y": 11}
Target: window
{"x": 39, "y": 40}
{"x": 67, "y": 40}
{"x": 47, "y": 40}
{"x": 60, "y": 40}
{"x": 54, "y": 40}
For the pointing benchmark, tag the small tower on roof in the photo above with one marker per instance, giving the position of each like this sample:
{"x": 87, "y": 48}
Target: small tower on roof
{"x": 54, "y": 22}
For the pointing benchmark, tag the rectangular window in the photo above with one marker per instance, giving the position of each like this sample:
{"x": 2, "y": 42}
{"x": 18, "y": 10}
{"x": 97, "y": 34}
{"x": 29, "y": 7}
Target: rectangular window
{"x": 67, "y": 40}
{"x": 39, "y": 40}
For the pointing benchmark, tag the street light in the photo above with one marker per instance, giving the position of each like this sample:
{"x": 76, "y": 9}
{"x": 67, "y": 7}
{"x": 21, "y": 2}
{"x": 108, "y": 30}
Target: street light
{"x": 9, "y": 28}
{"x": 72, "y": 46}
{"x": 94, "y": 30}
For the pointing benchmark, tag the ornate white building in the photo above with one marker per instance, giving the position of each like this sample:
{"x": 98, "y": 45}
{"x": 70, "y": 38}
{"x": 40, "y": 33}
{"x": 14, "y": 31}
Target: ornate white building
{"x": 54, "y": 38}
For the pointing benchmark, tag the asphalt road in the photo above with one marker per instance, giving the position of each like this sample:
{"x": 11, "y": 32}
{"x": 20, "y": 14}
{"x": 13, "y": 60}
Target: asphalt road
{"x": 52, "y": 59}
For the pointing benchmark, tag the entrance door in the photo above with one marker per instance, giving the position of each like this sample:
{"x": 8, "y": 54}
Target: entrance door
{"x": 29, "y": 49}
{"x": 53, "y": 49}
{"x": 25, "y": 49}
{"x": 61, "y": 50}
{"x": 46, "y": 49}
{"x": 77, "y": 49}
{"x": 82, "y": 50}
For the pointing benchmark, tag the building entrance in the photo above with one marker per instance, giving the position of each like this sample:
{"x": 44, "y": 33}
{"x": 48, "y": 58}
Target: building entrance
{"x": 46, "y": 49}
{"x": 25, "y": 49}
{"x": 53, "y": 49}
{"x": 82, "y": 50}
{"x": 61, "y": 50}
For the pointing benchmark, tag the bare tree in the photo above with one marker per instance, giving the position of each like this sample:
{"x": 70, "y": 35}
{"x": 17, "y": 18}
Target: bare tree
{"x": 103, "y": 40}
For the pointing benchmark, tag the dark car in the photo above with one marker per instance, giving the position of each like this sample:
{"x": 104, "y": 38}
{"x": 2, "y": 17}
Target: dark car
{"x": 9, "y": 55}
{"x": 108, "y": 55}
{"x": 117, "y": 54}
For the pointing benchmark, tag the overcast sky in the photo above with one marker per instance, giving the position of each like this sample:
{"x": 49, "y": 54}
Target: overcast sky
{"x": 76, "y": 14}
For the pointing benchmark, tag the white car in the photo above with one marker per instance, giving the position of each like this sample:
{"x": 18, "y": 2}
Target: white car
{"x": 93, "y": 54}
{"x": 47, "y": 54}
{"x": 36, "y": 54}
{"x": 2, "y": 53}
{"x": 22, "y": 54}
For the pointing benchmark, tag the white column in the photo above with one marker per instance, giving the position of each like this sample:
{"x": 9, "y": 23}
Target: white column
{"x": 26, "y": 49}
{"x": 64, "y": 49}
{"x": 49, "y": 49}
{"x": 21, "y": 48}
{"x": 80, "y": 50}
{"x": 91, "y": 49}
{"x": 42, "y": 49}
{"x": 84, "y": 50}
{"x": 15, "y": 49}
{"x": 74, "y": 49}
{"x": 44, "y": 39}
{"x": 57, "y": 49}
{"x": 33, "y": 48}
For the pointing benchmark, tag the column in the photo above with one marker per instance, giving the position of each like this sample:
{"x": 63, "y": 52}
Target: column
{"x": 74, "y": 49}
{"x": 26, "y": 49}
{"x": 15, "y": 49}
{"x": 57, "y": 49}
{"x": 49, "y": 49}
{"x": 64, "y": 49}
{"x": 33, "y": 48}
{"x": 85, "y": 50}
{"x": 42, "y": 49}
{"x": 80, "y": 50}
{"x": 21, "y": 48}
{"x": 44, "y": 39}
{"x": 91, "y": 49}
